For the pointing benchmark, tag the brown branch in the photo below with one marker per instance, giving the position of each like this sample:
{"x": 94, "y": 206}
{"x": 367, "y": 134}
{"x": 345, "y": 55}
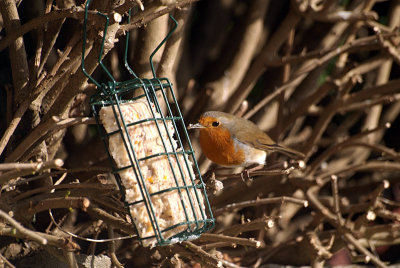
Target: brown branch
{"x": 96, "y": 186}
{"x": 338, "y": 16}
{"x": 44, "y": 87}
{"x": 53, "y": 203}
{"x": 258, "y": 224}
{"x": 36, "y": 167}
{"x": 111, "y": 248}
{"x": 205, "y": 256}
{"x": 346, "y": 233}
{"x": 387, "y": 214}
{"x": 226, "y": 85}
{"x": 318, "y": 58}
{"x": 367, "y": 66}
{"x": 390, "y": 48}
{"x": 273, "y": 172}
{"x": 336, "y": 198}
{"x": 335, "y": 148}
{"x": 367, "y": 43}
{"x": 52, "y": 240}
{"x": 38, "y": 134}
{"x": 77, "y": 81}
{"x": 18, "y": 57}
{"x": 7, "y": 262}
{"x": 373, "y": 204}
{"x": 353, "y": 30}
{"x": 148, "y": 40}
{"x": 379, "y": 90}
{"x": 116, "y": 222}
{"x": 48, "y": 83}
{"x": 370, "y": 257}
{"x": 71, "y": 259}
{"x": 50, "y": 37}
{"x": 320, "y": 253}
{"x": 227, "y": 240}
{"x": 386, "y": 99}
{"x": 22, "y": 231}
{"x": 319, "y": 128}
{"x": 363, "y": 167}
{"x": 260, "y": 202}
{"x": 75, "y": 12}
{"x": 259, "y": 65}
{"x": 38, "y": 53}
{"x": 150, "y": 14}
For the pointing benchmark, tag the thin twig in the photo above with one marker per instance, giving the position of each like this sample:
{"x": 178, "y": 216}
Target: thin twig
{"x": 258, "y": 224}
{"x": 363, "y": 167}
{"x": 335, "y": 194}
{"x": 371, "y": 257}
{"x": 7, "y": 262}
{"x": 338, "y": 146}
{"x": 207, "y": 257}
{"x": 116, "y": 222}
{"x": 13, "y": 124}
{"x": 36, "y": 167}
{"x": 111, "y": 248}
{"x": 53, "y": 124}
{"x": 260, "y": 202}
{"x": 62, "y": 186}
{"x": 229, "y": 240}
{"x": 54, "y": 203}
{"x": 22, "y": 230}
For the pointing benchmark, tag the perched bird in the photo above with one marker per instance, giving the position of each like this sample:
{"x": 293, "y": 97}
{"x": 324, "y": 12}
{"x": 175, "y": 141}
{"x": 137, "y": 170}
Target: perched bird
{"x": 231, "y": 141}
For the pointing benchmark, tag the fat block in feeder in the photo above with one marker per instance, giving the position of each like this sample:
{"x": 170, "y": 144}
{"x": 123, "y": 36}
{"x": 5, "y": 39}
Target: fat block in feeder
{"x": 173, "y": 206}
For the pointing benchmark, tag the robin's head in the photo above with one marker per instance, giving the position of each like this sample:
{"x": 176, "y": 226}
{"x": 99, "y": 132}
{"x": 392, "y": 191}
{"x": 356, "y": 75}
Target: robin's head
{"x": 215, "y": 121}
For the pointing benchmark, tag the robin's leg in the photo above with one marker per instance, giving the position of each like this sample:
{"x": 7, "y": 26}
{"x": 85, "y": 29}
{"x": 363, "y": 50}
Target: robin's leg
{"x": 245, "y": 175}
{"x": 214, "y": 172}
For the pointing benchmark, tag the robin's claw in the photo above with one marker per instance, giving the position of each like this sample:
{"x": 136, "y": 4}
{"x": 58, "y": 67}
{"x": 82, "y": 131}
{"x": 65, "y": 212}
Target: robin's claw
{"x": 245, "y": 175}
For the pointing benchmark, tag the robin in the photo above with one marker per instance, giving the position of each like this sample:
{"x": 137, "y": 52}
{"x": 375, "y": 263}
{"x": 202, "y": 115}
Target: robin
{"x": 231, "y": 141}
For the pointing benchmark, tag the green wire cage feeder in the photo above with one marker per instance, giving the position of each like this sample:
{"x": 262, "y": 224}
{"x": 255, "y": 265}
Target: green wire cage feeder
{"x": 159, "y": 180}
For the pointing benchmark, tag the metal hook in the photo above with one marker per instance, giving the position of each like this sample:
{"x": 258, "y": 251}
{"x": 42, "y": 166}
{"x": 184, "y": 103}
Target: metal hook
{"x": 101, "y": 47}
{"x": 126, "y": 64}
{"x": 162, "y": 43}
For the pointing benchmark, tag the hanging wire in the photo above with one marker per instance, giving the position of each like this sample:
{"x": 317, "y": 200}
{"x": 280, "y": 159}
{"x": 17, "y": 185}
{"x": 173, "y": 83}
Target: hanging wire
{"x": 85, "y": 238}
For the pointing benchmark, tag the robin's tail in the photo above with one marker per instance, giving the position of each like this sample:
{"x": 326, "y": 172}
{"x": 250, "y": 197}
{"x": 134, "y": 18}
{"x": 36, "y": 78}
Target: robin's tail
{"x": 286, "y": 151}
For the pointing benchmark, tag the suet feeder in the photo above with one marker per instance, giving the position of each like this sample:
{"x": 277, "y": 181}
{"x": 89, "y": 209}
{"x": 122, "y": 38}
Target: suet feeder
{"x": 158, "y": 177}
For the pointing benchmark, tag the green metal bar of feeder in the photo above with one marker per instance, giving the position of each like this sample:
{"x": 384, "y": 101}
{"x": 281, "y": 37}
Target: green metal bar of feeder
{"x": 162, "y": 43}
{"x": 84, "y": 46}
{"x": 114, "y": 99}
{"x": 107, "y": 21}
{"x": 166, "y": 190}
{"x": 127, "y": 66}
{"x": 195, "y": 162}
{"x": 143, "y": 121}
{"x": 180, "y": 145}
{"x": 158, "y": 82}
{"x": 102, "y": 48}
{"x": 139, "y": 177}
{"x": 163, "y": 143}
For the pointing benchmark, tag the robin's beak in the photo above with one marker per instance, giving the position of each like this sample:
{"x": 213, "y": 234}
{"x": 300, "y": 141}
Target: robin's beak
{"x": 192, "y": 126}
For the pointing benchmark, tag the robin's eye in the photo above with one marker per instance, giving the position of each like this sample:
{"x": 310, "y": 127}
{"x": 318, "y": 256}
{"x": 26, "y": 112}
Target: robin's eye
{"x": 215, "y": 124}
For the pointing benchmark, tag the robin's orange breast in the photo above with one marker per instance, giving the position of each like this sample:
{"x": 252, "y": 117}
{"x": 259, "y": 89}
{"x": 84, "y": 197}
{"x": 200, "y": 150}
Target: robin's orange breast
{"x": 219, "y": 147}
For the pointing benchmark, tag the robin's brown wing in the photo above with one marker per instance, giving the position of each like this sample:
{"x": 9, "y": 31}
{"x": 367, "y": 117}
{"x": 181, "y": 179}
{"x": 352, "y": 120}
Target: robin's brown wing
{"x": 251, "y": 135}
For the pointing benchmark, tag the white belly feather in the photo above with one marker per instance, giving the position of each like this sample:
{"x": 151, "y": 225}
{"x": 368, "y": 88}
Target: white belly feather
{"x": 252, "y": 156}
